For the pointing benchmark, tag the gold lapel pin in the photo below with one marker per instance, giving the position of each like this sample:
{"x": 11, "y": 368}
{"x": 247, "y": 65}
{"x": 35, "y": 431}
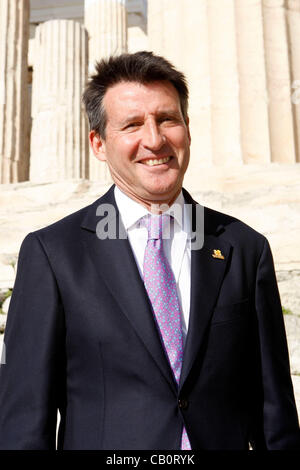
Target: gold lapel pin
{"x": 217, "y": 254}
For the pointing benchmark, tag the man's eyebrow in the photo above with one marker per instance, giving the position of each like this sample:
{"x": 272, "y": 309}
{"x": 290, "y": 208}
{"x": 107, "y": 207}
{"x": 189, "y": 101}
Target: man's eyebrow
{"x": 132, "y": 117}
{"x": 169, "y": 112}
{"x": 137, "y": 117}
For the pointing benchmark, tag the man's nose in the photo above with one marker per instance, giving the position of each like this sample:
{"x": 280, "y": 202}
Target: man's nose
{"x": 152, "y": 136}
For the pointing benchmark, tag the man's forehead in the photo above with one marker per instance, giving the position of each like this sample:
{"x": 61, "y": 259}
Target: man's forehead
{"x": 133, "y": 89}
{"x": 131, "y": 95}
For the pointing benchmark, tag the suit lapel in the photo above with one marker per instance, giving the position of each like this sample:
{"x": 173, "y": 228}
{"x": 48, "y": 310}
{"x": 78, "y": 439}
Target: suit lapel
{"x": 207, "y": 274}
{"x": 115, "y": 264}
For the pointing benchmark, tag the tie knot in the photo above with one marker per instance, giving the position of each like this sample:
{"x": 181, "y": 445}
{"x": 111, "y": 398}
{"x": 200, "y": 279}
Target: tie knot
{"x": 155, "y": 225}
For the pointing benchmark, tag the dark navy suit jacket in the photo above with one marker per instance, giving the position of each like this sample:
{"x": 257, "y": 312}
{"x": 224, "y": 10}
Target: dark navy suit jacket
{"x": 81, "y": 338}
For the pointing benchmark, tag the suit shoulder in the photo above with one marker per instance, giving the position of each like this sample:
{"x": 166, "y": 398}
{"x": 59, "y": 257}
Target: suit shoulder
{"x": 231, "y": 227}
{"x": 68, "y": 226}
{"x": 216, "y": 222}
{"x": 65, "y": 224}
{"x": 65, "y": 229}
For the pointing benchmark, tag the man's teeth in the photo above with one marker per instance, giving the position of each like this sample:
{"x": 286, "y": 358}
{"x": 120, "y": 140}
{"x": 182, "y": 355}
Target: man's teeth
{"x": 157, "y": 162}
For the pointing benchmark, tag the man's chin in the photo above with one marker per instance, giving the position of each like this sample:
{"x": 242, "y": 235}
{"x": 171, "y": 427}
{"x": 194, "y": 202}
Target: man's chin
{"x": 152, "y": 193}
{"x": 162, "y": 194}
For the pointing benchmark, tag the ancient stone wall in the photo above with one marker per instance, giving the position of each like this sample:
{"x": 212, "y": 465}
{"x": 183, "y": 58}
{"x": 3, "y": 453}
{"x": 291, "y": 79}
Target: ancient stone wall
{"x": 241, "y": 58}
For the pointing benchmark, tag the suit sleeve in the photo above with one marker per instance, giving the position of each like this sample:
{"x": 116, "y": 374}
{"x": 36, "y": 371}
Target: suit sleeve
{"x": 280, "y": 421}
{"x": 31, "y": 379}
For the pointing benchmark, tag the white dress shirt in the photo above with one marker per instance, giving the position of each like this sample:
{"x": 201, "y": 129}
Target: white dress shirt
{"x": 177, "y": 248}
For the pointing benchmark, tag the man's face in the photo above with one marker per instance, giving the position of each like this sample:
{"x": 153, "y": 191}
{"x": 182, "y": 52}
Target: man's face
{"x": 147, "y": 142}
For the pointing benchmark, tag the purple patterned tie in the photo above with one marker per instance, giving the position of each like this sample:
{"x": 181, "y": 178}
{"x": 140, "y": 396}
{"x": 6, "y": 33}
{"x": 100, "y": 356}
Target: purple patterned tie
{"x": 161, "y": 288}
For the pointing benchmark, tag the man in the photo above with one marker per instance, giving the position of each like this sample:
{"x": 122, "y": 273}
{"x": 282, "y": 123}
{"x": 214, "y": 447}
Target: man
{"x": 141, "y": 341}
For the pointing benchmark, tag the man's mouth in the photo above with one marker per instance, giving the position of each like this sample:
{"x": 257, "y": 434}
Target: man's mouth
{"x": 153, "y": 162}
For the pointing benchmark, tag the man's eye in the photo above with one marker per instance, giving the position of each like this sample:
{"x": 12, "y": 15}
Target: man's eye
{"x": 167, "y": 119}
{"x": 132, "y": 124}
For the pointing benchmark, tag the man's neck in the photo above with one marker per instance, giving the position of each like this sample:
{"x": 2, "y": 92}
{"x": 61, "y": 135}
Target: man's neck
{"x": 156, "y": 206}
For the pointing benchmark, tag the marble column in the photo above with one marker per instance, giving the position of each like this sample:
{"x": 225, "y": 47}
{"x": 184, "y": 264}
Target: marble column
{"x": 225, "y": 106}
{"x": 156, "y": 25}
{"x": 180, "y": 34}
{"x": 197, "y": 69}
{"x": 252, "y": 82}
{"x": 14, "y": 123}
{"x": 106, "y": 24}
{"x": 59, "y": 138}
{"x": 293, "y": 17}
{"x": 278, "y": 82}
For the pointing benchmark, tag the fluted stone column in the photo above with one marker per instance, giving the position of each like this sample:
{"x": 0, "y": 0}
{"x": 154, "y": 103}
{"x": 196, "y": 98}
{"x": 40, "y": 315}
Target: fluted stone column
{"x": 278, "y": 80}
{"x": 293, "y": 16}
{"x": 59, "y": 139}
{"x": 156, "y": 25}
{"x": 252, "y": 81}
{"x": 180, "y": 34}
{"x": 14, "y": 122}
{"x": 106, "y": 23}
{"x": 224, "y": 83}
{"x": 197, "y": 69}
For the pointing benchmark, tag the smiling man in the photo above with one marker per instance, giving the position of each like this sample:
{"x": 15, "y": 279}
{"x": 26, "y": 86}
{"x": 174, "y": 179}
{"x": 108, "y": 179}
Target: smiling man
{"x": 147, "y": 127}
{"x": 143, "y": 342}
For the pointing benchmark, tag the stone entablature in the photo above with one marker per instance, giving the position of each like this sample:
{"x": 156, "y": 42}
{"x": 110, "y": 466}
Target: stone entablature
{"x": 45, "y": 10}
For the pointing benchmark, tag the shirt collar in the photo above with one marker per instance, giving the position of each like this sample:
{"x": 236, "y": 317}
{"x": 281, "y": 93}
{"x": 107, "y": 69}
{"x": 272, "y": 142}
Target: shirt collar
{"x": 131, "y": 211}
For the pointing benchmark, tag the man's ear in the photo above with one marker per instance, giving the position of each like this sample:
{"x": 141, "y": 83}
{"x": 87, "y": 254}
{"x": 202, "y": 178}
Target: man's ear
{"x": 98, "y": 145}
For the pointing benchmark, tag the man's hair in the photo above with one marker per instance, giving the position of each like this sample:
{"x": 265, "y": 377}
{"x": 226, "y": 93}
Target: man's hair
{"x": 141, "y": 67}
